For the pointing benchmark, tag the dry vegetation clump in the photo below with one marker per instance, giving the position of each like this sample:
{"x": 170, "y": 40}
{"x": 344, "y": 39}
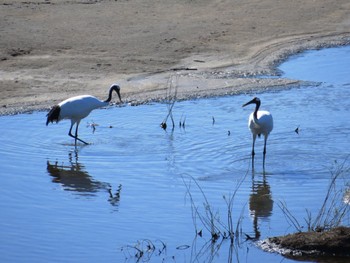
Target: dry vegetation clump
{"x": 335, "y": 241}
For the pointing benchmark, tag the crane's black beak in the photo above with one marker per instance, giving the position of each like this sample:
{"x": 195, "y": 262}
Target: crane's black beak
{"x": 249, "y": 102}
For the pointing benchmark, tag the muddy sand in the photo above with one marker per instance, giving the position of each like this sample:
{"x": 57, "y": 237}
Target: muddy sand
{"x": 54, "y": 49}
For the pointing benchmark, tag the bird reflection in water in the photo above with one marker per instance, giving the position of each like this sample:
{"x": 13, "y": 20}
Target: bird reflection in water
{"x": 73, "y": 177}
{"x": 260, "y": 202}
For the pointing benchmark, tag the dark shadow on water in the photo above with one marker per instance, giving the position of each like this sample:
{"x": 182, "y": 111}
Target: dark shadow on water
{"x": 74, "y": 177}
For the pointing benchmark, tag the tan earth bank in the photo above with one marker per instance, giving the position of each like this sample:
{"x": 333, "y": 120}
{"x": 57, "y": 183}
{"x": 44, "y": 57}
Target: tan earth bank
{"x": 54, "y": 49}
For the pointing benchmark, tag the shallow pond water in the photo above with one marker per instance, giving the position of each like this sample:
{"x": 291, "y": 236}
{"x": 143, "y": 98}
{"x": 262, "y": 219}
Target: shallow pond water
{"x": 96, "y": 202}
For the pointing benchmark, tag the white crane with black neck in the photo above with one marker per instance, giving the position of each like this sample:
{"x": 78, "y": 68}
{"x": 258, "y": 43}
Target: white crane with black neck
{"x": 260, "y": 122}
{"x": 77, "y": 108}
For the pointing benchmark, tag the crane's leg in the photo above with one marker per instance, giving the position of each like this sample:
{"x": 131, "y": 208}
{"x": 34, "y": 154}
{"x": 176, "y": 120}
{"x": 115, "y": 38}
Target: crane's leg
{"x": 70, "y": 132}
{"x": 265, "y": 140}
{"x": 253, "y": 152}
{"x": 76, "y": 132}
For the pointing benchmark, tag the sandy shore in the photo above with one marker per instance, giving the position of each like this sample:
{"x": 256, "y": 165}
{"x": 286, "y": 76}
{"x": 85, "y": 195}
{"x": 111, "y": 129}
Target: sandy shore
{"x": 54, "y": 49}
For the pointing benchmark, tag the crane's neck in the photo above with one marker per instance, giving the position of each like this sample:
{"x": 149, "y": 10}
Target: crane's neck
{"x": 108, "y": 100}
{"x": 257, "y": 106}
{"x": 116, "y": 89}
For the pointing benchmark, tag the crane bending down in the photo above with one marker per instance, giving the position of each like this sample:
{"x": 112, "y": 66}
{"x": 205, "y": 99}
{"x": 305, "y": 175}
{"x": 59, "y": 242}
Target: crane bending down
{"x": 260, "y": 122}
{"x": 77, "y": 108}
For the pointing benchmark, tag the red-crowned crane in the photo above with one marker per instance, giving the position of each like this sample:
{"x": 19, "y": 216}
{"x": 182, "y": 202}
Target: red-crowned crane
{"x": 77, "y": 108}
{"x": 260, "y": 122}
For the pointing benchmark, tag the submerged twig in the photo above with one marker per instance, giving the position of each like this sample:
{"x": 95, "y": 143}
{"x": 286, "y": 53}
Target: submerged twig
{"x": 297, "y": 130}
{"x": 93, "y": 125}
{"x": 289, "y": 216}
{"x": 211, "y": 219}
{"x": 143, "y": 250}
{"x": 171, "y": 96}
{"x": 114, "y": 199}
{"x": 182, "y": 122}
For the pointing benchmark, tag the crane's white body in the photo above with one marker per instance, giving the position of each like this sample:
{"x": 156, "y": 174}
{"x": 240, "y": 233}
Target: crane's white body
{"x": 79, "y": 107}
{"x": 263, "y": 124}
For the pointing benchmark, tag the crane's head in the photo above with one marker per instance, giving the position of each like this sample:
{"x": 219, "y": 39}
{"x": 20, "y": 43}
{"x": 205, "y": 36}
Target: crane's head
{"x": 253, "y": 101}
{"x": 116, "y": 88}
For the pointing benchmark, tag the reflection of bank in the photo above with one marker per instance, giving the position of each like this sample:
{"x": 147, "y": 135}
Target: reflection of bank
{"x": 73, "y": 177}
{"x": 260, "y": 202}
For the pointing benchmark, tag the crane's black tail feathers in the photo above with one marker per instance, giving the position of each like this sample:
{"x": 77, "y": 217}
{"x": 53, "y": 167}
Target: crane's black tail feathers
{"x": 53, "y": 114}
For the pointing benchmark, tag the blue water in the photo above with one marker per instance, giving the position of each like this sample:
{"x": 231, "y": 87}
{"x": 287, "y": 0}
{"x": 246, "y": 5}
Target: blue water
{"x": 61, "y": 204}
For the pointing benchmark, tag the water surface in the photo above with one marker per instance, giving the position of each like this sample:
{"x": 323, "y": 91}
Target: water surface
{"x": 60, "y": 204}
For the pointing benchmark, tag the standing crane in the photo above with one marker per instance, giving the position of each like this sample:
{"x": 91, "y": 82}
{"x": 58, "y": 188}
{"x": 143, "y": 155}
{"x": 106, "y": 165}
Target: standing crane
{"x": 260, "y": 122}
{"x": 77, "y": 108}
